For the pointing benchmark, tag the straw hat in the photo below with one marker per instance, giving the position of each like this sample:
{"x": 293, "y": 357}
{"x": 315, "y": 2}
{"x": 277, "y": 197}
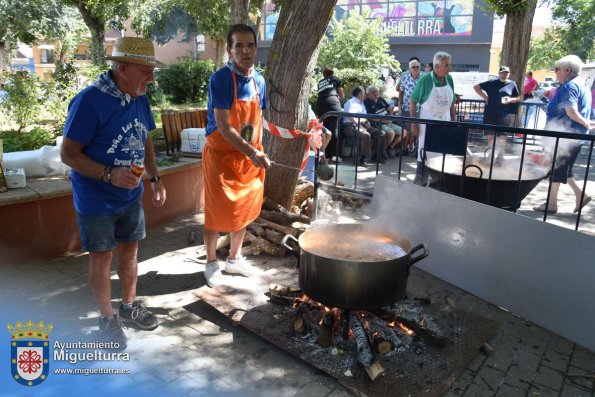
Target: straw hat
{"x": 134, "y": 50}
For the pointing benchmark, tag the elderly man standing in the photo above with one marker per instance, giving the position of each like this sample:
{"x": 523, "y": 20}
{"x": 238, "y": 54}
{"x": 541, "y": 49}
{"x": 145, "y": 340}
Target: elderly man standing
{"x": 233, "y": 159}
{"x": 107, "y": 144}
{"x": 375, "y": 104}
{"x": 434, "y": 97}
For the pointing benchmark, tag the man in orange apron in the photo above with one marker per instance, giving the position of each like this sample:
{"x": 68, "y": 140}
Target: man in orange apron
{"x": 233, "y": 159}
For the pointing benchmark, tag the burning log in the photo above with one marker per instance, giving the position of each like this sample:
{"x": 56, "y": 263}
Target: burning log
{"x": 280, "y": 299}
{"x": 283, "y": 290}
{"x": 385, "y": 332}
{"x": 380, "y": 343}
{"x": 299, "y": 324}
{"x": 365, "y": 355}
{"x": 432, "y": 336}
{"x": 325, "y": 333}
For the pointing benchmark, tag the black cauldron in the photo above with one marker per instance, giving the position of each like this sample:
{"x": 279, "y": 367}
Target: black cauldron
{"x": 503, "y": 184}
{"x": 368, "y": 281}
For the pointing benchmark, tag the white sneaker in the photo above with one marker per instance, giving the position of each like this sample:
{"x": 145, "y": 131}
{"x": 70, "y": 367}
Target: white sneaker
{"x": 241, "y": 266}
{"x": 213, "y": 275}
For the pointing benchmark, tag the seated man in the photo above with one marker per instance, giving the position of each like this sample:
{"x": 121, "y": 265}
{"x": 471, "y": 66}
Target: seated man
{"x": 365, "y": 131}
{"x": 375, "y": 104}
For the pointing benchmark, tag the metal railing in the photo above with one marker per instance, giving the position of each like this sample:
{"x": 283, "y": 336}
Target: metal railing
{"x": 528, "y": 143}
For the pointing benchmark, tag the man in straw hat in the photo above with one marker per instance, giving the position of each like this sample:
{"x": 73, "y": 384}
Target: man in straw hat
{"x": 107, "y": 144}
{"x": 233, "y": 157}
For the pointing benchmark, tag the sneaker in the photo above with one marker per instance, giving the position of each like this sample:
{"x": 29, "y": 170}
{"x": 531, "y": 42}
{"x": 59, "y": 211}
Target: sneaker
{"x": 213, "y": 275}
{"x": 110, "y": 331}
{"x": 240, "y": 266}
{"x": 411, "y": 149}
{"x": 138, "y": 315}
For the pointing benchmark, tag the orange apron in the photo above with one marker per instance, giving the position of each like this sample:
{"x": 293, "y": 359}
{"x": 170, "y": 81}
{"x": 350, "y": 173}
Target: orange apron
{"x": 234, "y": 187}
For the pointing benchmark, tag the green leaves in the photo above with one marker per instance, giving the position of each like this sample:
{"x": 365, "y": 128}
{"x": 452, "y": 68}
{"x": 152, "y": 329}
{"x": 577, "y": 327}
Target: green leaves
{"x": 358, "y": 49}
{"x": 573, "y": 32}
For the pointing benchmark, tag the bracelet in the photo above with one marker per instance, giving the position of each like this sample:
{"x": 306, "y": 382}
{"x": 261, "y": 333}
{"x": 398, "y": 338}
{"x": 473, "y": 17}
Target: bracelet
{"x": 154, "y": 179}
{"x": 106, "y": 176}
{"x": 253, "y": 155}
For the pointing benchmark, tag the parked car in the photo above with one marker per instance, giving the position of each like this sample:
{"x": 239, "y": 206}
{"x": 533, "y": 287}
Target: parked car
{"x": 545, "y": 88}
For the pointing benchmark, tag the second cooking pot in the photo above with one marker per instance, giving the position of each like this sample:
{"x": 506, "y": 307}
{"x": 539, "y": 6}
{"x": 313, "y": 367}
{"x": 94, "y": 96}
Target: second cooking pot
{"x": 350, "y": 266}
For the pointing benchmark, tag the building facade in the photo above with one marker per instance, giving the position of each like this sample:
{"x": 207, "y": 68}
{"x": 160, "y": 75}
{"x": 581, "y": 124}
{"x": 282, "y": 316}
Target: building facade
{"x": 416, "y": 28}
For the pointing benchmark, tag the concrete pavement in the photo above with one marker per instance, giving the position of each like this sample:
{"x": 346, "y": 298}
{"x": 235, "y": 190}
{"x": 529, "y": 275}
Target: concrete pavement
{"x": 196, "y": 351}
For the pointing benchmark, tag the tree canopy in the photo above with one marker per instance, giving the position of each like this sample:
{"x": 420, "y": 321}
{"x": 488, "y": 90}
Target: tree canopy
{"x": 572, "y": 32}
{"x": 356, "y": 43}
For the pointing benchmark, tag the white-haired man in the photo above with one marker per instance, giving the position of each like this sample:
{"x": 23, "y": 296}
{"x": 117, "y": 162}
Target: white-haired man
{"x": 434, "y": 97}
{"x": 106, "y": 134}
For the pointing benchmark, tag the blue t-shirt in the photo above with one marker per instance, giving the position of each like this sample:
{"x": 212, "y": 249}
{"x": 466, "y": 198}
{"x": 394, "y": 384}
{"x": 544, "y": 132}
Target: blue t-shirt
{"x": 572, "y": 92}
{"x": 112, "y": 135}
{"x": 221, "y": 93}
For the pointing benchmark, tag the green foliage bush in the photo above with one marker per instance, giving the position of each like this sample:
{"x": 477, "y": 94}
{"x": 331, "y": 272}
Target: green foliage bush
{"x": 186, "y": 81}
{"x": 37, "y": 137}
{"x": 22, "y": 104}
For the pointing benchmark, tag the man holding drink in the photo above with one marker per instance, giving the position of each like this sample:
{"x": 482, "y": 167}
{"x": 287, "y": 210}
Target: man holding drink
{"x": 106, "y": 142}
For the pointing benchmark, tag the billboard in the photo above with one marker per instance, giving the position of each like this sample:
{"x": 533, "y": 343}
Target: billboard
{"x": 401, "y": 18}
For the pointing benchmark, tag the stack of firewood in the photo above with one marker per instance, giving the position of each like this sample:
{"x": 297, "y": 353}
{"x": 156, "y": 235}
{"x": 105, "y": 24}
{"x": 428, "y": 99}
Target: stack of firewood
{"x": 264, "y": 235}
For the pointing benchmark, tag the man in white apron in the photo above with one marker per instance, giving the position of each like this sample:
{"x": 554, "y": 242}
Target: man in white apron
{"x": 434, "y": 96}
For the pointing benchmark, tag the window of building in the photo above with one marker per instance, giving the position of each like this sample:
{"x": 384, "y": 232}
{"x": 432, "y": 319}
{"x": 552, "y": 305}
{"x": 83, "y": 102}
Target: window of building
{"x": 47, "y": 56}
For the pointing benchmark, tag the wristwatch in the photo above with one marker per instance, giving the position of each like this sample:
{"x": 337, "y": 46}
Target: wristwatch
{"x": 155, "y": 179}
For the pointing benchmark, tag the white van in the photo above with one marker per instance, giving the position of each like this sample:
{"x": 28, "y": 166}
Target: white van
{"x": 464, "y": 82}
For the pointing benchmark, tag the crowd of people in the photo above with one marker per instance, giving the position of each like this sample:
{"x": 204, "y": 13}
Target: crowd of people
{"x": 106, "y": 142}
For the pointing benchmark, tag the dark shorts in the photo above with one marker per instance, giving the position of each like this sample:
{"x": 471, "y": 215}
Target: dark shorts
{"x": 103, "y": 232}
{"x": 503, "y": 120}
{"x": 563, "y": 167}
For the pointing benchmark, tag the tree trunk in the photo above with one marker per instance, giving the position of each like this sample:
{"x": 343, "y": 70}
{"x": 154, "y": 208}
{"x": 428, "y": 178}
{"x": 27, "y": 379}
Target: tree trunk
{"x": 259, "y": 18}
{"x": 97, "y": 29}
{"x": 239, "y": 11}
{"x": 517, "y": 39}
{"x": 220, "y": 52}
{"x": 290, "y": 63}
{"x": 4, "y": 55}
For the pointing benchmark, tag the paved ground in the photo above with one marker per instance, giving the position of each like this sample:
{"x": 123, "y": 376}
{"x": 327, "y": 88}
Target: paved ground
{"x": 197, "y": 352}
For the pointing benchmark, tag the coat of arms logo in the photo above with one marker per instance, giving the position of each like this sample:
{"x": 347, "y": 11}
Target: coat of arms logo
{"x": 29, "y": 352}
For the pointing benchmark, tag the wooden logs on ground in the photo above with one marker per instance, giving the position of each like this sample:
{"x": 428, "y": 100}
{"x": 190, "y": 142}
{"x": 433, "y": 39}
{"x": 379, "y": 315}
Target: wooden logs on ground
{"x": 325, "y": 333}
{"x": 283, "y": 218}
{"x": 260, "y": 244}
{"x": 302, "y": 193}
{"x": 276, "y": 227}
{"x": 365, "y": 355}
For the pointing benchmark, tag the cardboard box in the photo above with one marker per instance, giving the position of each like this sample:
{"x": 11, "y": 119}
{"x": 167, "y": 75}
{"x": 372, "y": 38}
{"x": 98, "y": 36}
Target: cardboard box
{"x": 193, "y": 140}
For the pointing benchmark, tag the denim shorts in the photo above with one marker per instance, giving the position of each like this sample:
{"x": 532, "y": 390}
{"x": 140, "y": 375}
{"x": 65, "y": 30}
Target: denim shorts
{"x": 104, "y": 232}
